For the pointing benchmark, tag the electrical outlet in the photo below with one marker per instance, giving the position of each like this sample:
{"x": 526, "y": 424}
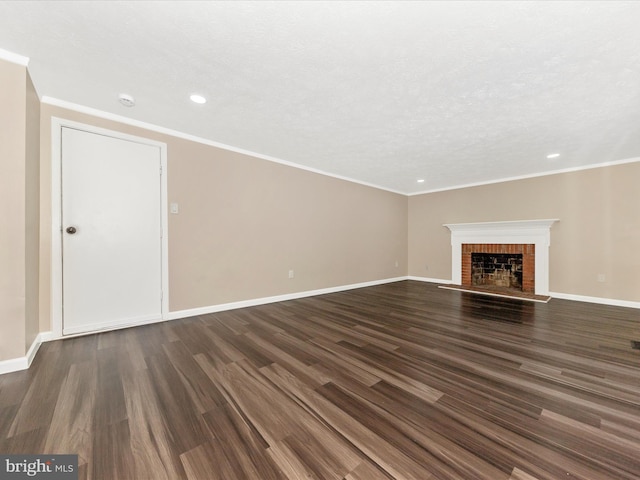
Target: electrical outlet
{"x": 290, "y": 273}
{"x": 396, "y": 263}
{"x": 602, "y": 277}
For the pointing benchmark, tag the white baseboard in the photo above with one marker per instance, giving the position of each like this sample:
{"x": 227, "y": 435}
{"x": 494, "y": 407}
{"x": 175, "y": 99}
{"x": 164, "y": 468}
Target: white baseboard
{"x": 430, "y": 280}
{"x": 13, "y": 365}
{"x": 600, "y": 300}
{"x": 22, "y": 363}
{"x": 277, "y": 298}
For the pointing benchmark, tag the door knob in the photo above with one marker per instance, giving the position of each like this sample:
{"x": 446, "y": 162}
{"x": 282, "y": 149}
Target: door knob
{"x": 71, "y": 230}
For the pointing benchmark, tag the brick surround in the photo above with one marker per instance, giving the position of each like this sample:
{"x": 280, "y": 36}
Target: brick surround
{"x": 528, "y": 252}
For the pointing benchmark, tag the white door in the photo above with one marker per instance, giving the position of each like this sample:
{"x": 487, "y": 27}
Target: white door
{"x": 111, "y": 232}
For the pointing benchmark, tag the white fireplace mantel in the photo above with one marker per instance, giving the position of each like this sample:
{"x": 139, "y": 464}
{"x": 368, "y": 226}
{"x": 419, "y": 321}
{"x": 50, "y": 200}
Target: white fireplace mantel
{"x": 537, "y": 232}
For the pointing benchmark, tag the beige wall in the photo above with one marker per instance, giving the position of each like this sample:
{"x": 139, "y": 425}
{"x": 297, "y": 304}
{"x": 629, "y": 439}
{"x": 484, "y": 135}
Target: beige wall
{"x": 32, "y": 213}
{"x": 12, "y": 197}
{"x": 598, "y": 232}
{"x": 245, "y": 222}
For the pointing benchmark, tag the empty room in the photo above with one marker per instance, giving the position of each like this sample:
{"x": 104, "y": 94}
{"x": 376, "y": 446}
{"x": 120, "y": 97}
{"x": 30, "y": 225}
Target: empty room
{"x": 331, "y": 240}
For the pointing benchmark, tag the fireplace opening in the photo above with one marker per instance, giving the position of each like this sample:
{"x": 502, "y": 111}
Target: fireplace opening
{"x": 502, "y": 270}
{"x": 499, "y": 266}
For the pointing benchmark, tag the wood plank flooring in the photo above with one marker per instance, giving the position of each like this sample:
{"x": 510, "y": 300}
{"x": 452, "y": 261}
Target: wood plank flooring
{"x": 403, "y": 381}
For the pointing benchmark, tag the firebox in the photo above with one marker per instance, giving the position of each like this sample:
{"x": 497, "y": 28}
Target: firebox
{"x": 499, "y": 265}
{"x": 497, "y": 270}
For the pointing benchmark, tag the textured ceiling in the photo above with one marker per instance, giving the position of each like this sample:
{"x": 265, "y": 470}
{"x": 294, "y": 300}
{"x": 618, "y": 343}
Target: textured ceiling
{"x": 384, "y": 93}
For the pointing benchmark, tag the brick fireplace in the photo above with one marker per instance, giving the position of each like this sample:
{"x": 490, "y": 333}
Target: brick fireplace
{"x": 529, "y": 238}
{"x": 514, "y": 265}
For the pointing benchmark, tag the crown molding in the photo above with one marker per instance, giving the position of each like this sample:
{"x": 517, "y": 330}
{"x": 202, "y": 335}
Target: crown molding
{"x": 193, "y": 138}
{"x": 531, "y": 175}
{"x": 14, "y": 57}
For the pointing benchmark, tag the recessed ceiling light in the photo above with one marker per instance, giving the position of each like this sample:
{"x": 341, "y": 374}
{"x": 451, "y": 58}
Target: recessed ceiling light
{"x": 553, "y": 155}
{"x": 198, "y": 99}
{"x": 421, "y": 180}
{"x": 126, "y": 100}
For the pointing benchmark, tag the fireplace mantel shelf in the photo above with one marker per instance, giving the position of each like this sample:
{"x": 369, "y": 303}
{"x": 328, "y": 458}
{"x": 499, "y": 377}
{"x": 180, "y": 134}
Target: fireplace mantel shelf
{"x": 535, "y": 232}
{"x": 511, "y": 225}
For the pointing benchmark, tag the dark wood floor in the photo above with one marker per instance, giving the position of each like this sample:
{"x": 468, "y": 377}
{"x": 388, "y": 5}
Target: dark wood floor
{"x": 402, "y": 381}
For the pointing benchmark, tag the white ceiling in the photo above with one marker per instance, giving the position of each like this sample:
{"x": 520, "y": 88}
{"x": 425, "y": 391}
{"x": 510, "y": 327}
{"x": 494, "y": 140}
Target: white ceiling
{"x": 385, "y": 93}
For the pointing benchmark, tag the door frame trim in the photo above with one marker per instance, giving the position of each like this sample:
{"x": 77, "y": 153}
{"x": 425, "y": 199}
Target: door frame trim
{"x": 56, "y": 218}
